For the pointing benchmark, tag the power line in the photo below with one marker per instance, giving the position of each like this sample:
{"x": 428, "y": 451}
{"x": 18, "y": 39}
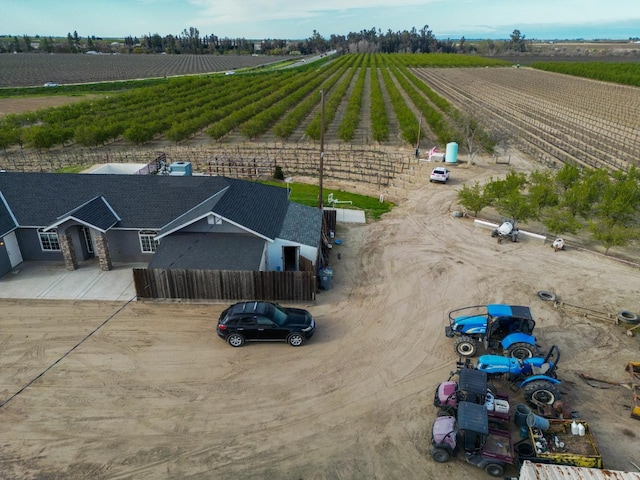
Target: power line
{"x": 32, "y": 381}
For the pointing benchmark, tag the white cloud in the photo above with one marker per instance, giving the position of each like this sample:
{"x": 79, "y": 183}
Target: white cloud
{"x": 287, "y": 19}
{"x": 267, "y": 10}
{"x": 283, "y": 17}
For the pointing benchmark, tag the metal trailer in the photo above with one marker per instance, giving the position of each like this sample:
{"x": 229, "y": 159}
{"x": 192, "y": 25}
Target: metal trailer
{"x": 634, "y": 370}
{"x": 470, "y": 434}
{"x": 538, "y": 471}
{"x": 558, "y": 445}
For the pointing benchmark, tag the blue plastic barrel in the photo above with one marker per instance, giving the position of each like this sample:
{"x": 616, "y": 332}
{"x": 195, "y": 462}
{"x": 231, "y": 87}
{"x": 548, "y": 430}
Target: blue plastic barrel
{"x": 326, "y": 275}
{"x": 522, "y": 412}
{"x": 535, "y": 421}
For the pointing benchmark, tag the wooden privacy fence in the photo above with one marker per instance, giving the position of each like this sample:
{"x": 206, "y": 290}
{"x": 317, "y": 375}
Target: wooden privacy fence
{"x": 224, "y": 285}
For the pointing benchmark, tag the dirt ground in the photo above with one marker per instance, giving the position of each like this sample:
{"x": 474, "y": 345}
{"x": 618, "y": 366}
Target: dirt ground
{"x": 154, "y": 393}
{"x": 31, "y": 104}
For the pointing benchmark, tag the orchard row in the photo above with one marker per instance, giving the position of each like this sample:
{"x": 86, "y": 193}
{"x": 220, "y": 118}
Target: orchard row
{"x": 279, "y": 102}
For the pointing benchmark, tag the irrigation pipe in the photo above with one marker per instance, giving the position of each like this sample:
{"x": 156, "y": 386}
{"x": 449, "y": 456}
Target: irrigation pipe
{"x": 485, "y": 224}
{"x": 110, "y": 317}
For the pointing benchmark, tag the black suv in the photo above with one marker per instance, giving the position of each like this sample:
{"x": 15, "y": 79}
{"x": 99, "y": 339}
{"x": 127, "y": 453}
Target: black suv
{"x": 265, "y": 321}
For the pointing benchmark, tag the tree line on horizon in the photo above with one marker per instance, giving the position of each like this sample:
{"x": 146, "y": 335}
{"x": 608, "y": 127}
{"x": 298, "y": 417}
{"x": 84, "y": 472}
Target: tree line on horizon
{"x": 190, "y": 41}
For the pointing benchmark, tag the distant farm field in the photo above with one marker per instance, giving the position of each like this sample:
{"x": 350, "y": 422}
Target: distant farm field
{"x": 369, "y": 97}
{"x": 553, "y": 117}
{"x": 30, "y": 70}
{"x": 390, "y": 103}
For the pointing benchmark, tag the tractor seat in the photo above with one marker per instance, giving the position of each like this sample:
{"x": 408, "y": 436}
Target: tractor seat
{"x": 542, "y": 369}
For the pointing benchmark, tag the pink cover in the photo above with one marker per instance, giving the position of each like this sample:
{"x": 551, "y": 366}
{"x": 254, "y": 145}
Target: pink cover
{"x": 447, "y": 393}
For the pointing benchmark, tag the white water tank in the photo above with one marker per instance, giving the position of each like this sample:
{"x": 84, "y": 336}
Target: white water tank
{"x": 505, "y": 228}
{"x": 451, "y": 155}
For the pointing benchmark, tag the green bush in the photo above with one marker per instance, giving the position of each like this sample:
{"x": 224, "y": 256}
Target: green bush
{"x": 278, "y": 174}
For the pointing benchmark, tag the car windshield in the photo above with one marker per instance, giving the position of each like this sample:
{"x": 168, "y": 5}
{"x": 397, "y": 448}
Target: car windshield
{"x": 278, "y": 315}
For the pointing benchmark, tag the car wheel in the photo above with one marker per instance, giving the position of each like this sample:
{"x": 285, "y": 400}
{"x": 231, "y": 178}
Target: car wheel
{"x": 522, "y": 350}
{"x": 494, "y": 470}
{"x": 440, "y": 455}
{"x": 465, "y": 346}
{"x": 295, "y": 339}
{"x": 541, "y": 392}
{"x": 235, "y": 340}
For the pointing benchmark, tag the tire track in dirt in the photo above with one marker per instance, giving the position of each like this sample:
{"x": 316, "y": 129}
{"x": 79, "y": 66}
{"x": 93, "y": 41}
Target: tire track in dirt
{"x": 357, "y": 400}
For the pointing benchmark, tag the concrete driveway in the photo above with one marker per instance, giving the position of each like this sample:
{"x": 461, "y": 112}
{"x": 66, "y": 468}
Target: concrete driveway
{"x": 44, "y": 280}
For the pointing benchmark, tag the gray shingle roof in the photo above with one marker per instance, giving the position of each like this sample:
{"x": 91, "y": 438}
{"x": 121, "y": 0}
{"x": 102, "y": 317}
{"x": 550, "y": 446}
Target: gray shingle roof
{"x": 208, "y": 251}
{"x": 302, "y": 225}
{"x": 143, "y": 201}
{"x": 7, "y": 222}
{"x": 97, "y": 213}
{"x": 260, "y": 208}
{"x": 192, "y": 215}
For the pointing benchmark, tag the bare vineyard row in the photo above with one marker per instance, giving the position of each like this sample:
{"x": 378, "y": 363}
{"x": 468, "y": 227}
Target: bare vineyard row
{"x": 555, "y": 118}
{"x": 373, "y": 166}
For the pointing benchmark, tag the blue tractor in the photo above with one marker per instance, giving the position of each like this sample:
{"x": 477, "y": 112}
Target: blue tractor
{"x": 536, "y": 375}
{"x": 496, "y": 326}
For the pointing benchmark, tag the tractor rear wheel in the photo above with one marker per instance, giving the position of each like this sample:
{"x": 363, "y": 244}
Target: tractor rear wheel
{"x": 465, "y": 346}
{"x": 440, "y": 455}
{"x": 494, "y": 469}
{"x": 541, "y": 392}
{"x": 522, "y": 350}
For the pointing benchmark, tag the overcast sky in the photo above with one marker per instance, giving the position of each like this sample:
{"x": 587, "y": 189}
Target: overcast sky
{"x": 291, "y": 19}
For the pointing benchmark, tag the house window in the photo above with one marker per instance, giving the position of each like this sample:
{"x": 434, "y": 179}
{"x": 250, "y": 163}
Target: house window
{"x": 49, "y": 240}
{"x": 148, "y": 244}
{"x": 214, "y": 220}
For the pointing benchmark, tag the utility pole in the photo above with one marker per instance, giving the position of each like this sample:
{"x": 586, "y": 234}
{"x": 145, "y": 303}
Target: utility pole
{"x": 418, "y": 142}
{"x": 320, "y": 202}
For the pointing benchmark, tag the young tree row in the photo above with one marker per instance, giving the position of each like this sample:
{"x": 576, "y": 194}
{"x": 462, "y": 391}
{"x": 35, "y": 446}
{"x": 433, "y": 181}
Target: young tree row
{"x": 294, "y": 118}
{"x": 565, "y": 201}
{"x": 280, "y": 100}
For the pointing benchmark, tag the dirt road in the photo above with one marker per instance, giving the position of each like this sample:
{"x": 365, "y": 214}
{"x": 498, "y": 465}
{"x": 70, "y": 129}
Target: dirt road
{"x": 153, "y": 393}
{"x": 30, "y": 104}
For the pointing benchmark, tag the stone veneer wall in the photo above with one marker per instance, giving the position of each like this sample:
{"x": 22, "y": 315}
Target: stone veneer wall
{"x": 66, "y": 245}
{"x": 102, "y": 249}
